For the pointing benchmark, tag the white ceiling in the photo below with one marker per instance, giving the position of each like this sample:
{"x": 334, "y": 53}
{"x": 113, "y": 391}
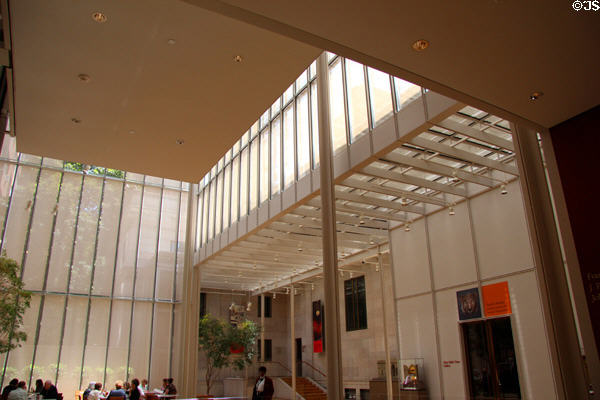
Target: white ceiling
{"x": 191, "y": 90}
{"x": 488, "y": 53}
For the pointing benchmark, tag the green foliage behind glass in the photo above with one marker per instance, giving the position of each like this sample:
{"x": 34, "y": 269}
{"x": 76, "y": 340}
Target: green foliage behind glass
{"x": 13, "y": 303}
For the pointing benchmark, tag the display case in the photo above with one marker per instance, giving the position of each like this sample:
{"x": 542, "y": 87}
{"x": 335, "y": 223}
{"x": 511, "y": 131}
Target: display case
{"x": 412, "y": 374}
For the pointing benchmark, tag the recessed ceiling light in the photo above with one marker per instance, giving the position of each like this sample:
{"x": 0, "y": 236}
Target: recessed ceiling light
{"x": 75, "y": 120}
{"x": 132, "y": 132}
{"x": 535, "y": 95}
{"x": 179, "y": 141}
{"x": 238, "y": 59}
{"x": 85, "y": 78}
{"x": 171, "y": 41}
{"x": 99, "y": 17}
{"x": 420, "y": 45}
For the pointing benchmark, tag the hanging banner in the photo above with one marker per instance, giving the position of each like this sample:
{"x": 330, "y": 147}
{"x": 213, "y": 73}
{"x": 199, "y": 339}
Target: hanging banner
{"x": 469, "y": 306}
{"x": 317, "y": 327}
{"x": 496, "y": 299}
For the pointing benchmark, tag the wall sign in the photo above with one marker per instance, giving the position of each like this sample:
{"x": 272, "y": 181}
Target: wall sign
{"x": 317, "y": 326}
{"x": 469, "y": 306}
{"x": 496, "y": 299}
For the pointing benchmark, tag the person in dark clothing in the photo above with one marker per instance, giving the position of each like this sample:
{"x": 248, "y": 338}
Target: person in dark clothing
{"x": 39, "y": 386}
{"x": 12, "y": 385}
{"x": 87, "y": 391}
{"x": 170, "y": 389}
{"x": 118, "y": 391}
{"x": 49, "y": 391}
{"x": 135, "y": 393}
{"x": 263, "y": 388}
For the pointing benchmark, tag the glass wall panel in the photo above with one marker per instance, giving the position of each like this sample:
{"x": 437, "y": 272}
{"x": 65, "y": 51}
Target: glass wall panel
{"x": 62, "y": 243}
{"x": 107, "y": 237}
{"x": 140, "y": 340}
{"x": 303, "y": 134}
{"x": 183, "y": 207}
{"x": 406, "y": 92}
{"x": 118, "y": 343}
{"x": 254, "y": 174}
{"x": 235, "y": 189}
{"x": 276, "y": 156}
{"x": 288, "y": 94}
{"x": 219, "y": 205}
{"x": 301, "y": 81}
{"x": 176, "y": 344}
{"x": 244, "y": 183}
{"x": 9, "y": 147}
{"x": 72, "y": 344}
{"x": 128, "y": 240}
{"x": 167, "y": 244}
{"x": 314, "y": 118}
{"x": 146, "y": 265}
{"x": 200, "y": 207}
{"x": 7, "y": 174}
{"x": 357, "y": 99}
{"x": 380, "y": 94}
{"x": 46, "y": 359}
{"x": 19, "y": 359}
{"x": 226, "y": 196}
{"x": 264, "y": 165}
{"x": 206, "y": 204}
{"x": 161, "y": 344}
{"x": 41, "y": 230}
{"x": 30, "y": 159}
{"x": 95, "y": 348}
{"x": 20, "y": 210}
{"x": 85, "y": 240}
{"x": 336, "y": 106}
{"x": 212, "y": 208}
{"x": 288, "y": 146}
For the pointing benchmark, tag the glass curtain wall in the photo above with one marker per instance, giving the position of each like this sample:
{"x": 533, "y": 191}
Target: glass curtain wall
{"x": 102, "y": 252}
{"x": 283, "y": 145}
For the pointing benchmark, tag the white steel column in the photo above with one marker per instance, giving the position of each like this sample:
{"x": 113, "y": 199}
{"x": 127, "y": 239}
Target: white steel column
{"x": 293, "y": 339}
{"x": 330, "y": 271}
{"x": 388, "y": 362}
{"x": 262, "y": 327}
{"x": 566, "y": 358}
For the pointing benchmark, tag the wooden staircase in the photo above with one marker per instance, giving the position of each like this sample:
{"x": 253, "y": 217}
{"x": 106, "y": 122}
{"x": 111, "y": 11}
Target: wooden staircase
{"x": 307, "y": 389}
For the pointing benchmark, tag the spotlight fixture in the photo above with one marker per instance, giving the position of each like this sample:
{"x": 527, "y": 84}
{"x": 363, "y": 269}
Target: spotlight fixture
{"x": 312, "y": 286}
{"x": 361, "y": 220}
{"x": 231, "y": 306}
{"x": 503, "y": 189}
{"x": 238, "y": 59}
{"x": 75, "y": 120}
{"x": 371, "y": 241}
{"x": 287, "y": 290}
{"x": 254, "y": 267}
{"x": 99, "y": 17}
{"x": 420, "y": 45}
{"x": 132, "y": 132}
{"x": 451, "y": 210}
{"x": 249, "y": 306}
{"x": 171, "y": 41}
{"x": 179, "y": 141}
{"x": 274, "y": 295}
{"x": 376, "y": 267}
{"x": 351, "y": 274}
{"x": 407, "y": 228}
{"x": 535, "y": 95}
{"x": 85, "y": 78}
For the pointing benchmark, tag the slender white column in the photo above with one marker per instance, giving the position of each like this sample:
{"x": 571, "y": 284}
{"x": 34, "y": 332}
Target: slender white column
{"x": 293, "y": 339}
{"x": 330, "y": 270}
{"x": 262, "y": 328}
{"x": 388, "y": 361}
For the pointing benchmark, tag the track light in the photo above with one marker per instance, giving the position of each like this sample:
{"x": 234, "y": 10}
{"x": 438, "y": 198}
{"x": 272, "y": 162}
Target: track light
{"x": 361, "y": 221}
{"x": 274, "y": 295}
{"x": 451, "y": 210}
{"x": 312, "y": 286}
{"x": 503, "y": 189}
{"x": 254, "y": 267}
{"x": 231, "y": 306}
{"x": 376, "y": 267}
{"x": 407, "y": 227}
{"x": 249, "y": 306}
{"x": 351, "y": 274}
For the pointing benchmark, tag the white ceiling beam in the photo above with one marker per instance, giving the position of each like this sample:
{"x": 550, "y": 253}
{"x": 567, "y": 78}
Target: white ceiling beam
{"x": 394, "y": 205}
{"x": 364, "y": 211}
{"x": 345, "y": 218}
{"x": 361, "y": 229}
{"x": 477, "y": 134}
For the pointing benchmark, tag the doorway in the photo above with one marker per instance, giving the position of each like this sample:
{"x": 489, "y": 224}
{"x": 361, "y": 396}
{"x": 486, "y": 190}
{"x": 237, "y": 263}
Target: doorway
{"x": 491, "y": 361}
{"x": 298, "y": 356}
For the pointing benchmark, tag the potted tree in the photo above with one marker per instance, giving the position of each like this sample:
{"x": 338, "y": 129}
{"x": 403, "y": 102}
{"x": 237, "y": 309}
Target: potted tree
{"x": 13, "y": 303}
{"x": 225, "y": 345}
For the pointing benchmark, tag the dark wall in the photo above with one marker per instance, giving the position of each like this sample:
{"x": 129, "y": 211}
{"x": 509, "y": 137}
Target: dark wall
{"x": 577, "y": 147}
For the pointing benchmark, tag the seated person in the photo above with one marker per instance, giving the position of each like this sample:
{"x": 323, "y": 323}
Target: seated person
{"x": 12, "y": 385}
{"x": 170, "y": 389}
{"x": 49, "y": 391}
{"x": 96, "y": 393}
{"x": 87, "y": 391}
{"x": 20, "y": 393}
{"x": 118, "y": 391}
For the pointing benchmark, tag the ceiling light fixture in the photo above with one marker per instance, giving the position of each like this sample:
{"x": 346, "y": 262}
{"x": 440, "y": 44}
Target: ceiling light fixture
{"x": 535, "y": 95}
{"x": 75, "y": 120}
{"x": 420, "y": 45}
{"x": 99, "y": 17}
{"x": 503, "y": 189}
{"x": 407, "y": 227}
{"x": 274, "y": 295}
{"x": 85, "y": 78}
{"x": 179, "y": 141}
{"x": 171, "y": 41}
{"x": 238, "y": 59}
{"x": 451, "y": 210}
{"x": 132, "y": 132}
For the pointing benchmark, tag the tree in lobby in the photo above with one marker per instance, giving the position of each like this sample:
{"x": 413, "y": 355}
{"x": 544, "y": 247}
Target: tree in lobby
{"x": 225, "y": 345}
{"x": 13, "y": 303}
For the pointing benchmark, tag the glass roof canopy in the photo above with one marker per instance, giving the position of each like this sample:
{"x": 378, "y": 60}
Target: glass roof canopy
{"x": 458, "y": 157}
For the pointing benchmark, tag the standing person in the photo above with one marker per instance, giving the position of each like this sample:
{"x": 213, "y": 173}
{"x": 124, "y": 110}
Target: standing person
{"x": 170, "y": 389}
{"x": 118, "y": 391}
{"x": 39, "y": 386}
{"x": 12, "y": 385}
{"x": 49, "y": 391}
{"x": 263, "y": 389}
{"x": 135, "y": 393}
{"x": 96, "y": 393}
{"x": 20, "y": 393}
